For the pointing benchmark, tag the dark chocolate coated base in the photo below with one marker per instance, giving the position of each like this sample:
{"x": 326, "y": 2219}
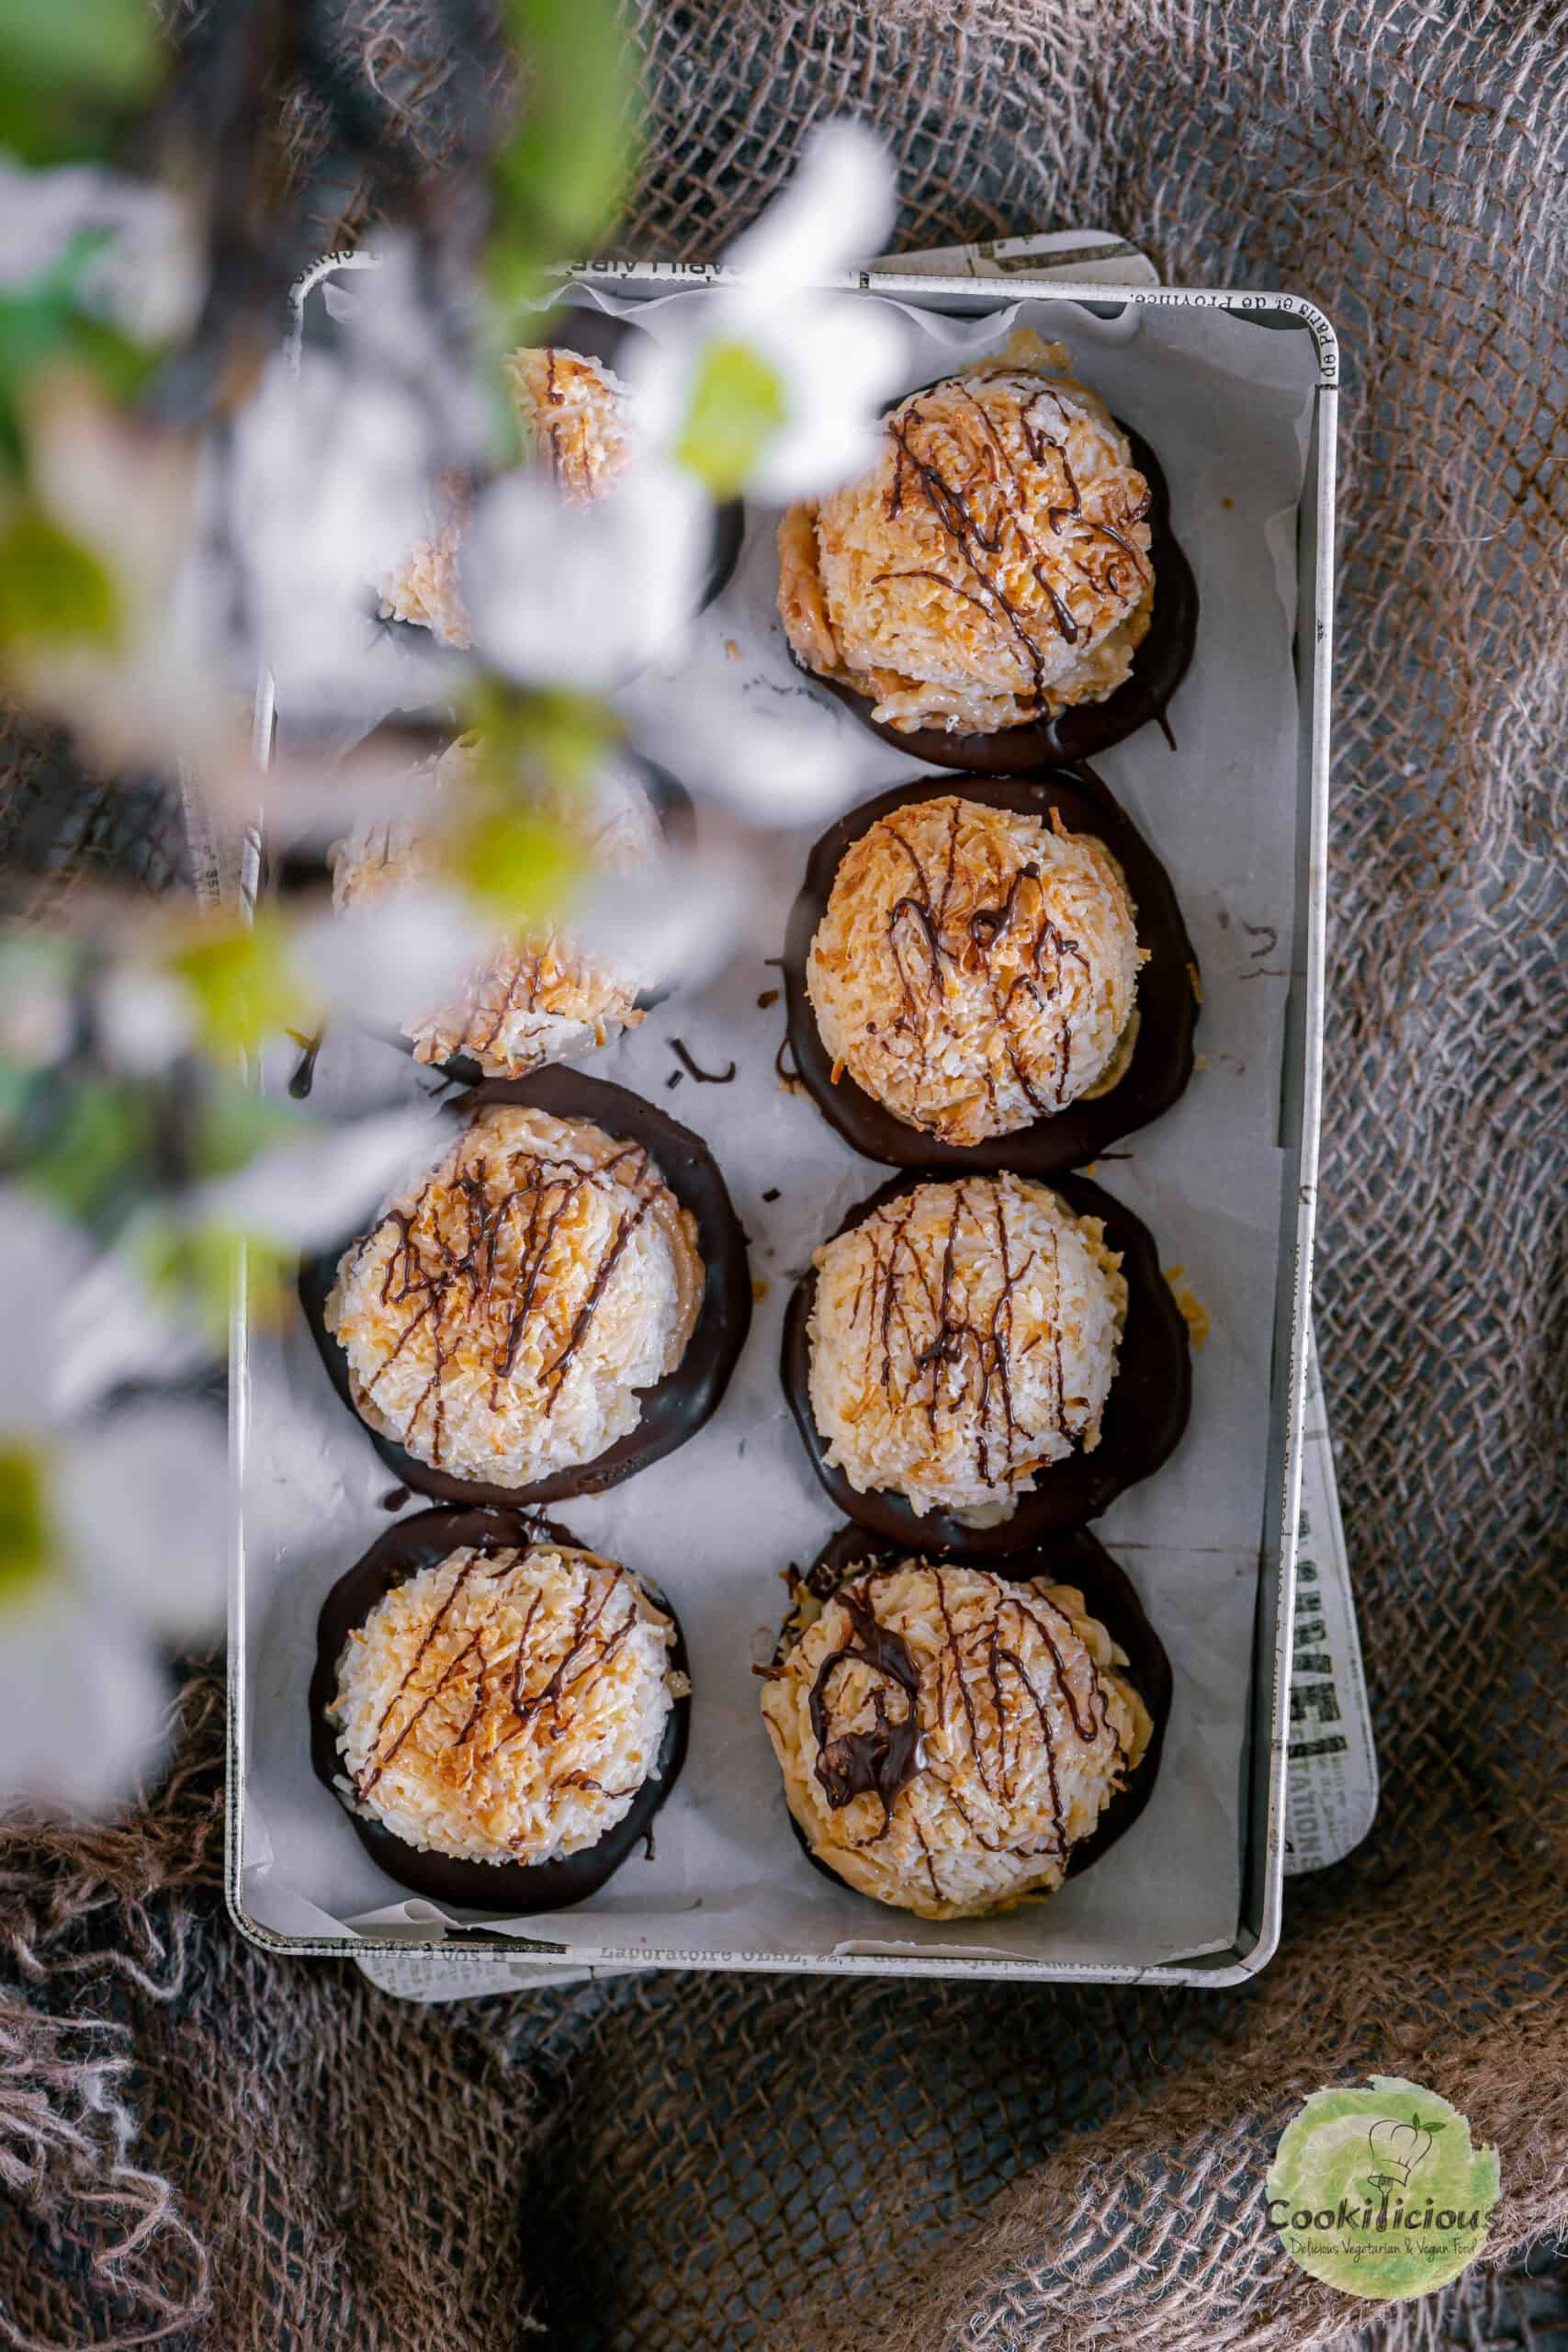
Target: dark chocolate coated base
{"x": 1144, "y": 1415}
{"x": 676, "y": 1406}
{"x": 594, "y": 334}
{"x": 402, "y": 1552}
{"x": 1161, "y": 1061}
{"x": 1079, "y": 732}
{"x": 1074, "y": 1557}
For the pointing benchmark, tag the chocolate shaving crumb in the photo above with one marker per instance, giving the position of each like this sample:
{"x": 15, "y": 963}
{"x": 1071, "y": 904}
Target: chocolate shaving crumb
{"x": 702, "y": 1077}
{"x": 772, "y": 1193}
{"x": 769, "y": 996}
{"x": 674, "y": 1078}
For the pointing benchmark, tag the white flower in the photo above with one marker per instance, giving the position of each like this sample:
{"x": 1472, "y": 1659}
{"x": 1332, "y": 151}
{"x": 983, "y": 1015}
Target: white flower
{"x": 148, "y": 277}
{"x": 671, "y": 915}
{"x": 833, "y": 357}
{"x": 115, "y": 1538}
{"x": 145, "y": 1020}
{"x": 326, "y": 488}
{"x": 584, "y": 593}
{"x": 382, "y": 960}
{"x": 122, "y": 490}
{"x": 404, "y": 319}
{"x": 133, "y": 1512}
{"x": 37, "y": 1013}
{"x": 305, "y": 1193}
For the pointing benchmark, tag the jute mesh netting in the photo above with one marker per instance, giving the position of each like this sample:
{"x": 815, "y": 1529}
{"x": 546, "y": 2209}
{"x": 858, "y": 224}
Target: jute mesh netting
{"x": 244, "y": 2153}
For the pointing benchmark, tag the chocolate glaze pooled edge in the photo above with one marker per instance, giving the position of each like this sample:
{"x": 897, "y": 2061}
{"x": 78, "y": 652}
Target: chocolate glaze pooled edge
{"x": 675, "y": 1407}
{"x": 1071, "y": 1557}
{"x": 422, "y": 1542}
{"x": 1145, "y": 1413}
{"x": 1161, "y": 1061}
{"x": 1159, "y": 664}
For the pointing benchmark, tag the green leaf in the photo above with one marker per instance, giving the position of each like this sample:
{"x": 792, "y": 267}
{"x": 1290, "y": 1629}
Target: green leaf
{"x": 566, "y": 164}
{"x": 235, "y": 1125}
{"x": 737, "y": 404}
{"x": 243, "y": 987}
{"x": 47, "y": 323}
{"x": 107, "y": 49}
{"x": 91, "y": 1152}
{"x": 539, "y": 737}
{"x": 55, "y": 590}
{"x": 520, "y": 862}
{"x": 190, "y": 1273}
{"x": 26, "y": 1546}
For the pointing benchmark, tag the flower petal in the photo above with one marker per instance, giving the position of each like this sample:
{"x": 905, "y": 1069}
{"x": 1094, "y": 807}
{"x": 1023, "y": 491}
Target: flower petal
{"x": 142, "y": 1499}
{"x": 306, "y": 1194}
{"x": 582, "y": 595}
{"x": 82, "y": 1705}
{"x": 835, "y": 211}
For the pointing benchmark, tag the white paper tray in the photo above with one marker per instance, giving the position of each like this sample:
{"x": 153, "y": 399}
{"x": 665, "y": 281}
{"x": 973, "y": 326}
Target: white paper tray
{"x": 279, "y": 1580}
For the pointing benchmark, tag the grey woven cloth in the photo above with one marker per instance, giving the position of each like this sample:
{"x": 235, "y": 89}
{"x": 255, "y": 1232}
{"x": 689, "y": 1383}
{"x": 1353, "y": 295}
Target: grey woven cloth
{"x": 673, "y": 2162}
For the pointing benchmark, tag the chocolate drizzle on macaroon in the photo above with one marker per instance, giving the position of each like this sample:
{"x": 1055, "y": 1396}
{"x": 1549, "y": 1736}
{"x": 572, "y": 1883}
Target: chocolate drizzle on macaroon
{"x": 496, "y": 1537}
{"x": 881, "y": 1761}
{"x": 458, "y": 1277}
{"x": 997, "y": 1710}
{"x": 1143, "y": 1415}
{"x": 1062, "y": 1135}
{"x": 1080, "y": 729}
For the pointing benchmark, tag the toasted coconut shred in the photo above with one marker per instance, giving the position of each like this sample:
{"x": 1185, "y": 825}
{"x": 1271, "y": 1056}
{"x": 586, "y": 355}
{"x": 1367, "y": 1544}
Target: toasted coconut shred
{"x": 963, "y": 1337}
{"x": 543, "y": 997}
{"x": 501, "y": 1317}
{"x": 505, "y": 1707}
{"x": 574, "y": 417}
{"x": 993, "y": 567}
{"x": 975, "y": 969}
{"x": 946, "y": 1736}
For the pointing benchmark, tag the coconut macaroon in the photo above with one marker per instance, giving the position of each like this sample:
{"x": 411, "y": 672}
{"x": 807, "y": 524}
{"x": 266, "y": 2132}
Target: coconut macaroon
{"x": 975, "y": 969}
{"x": 947, "y": 1736}
{"x": 544, "y": 996}
{"x": 993, "y": 567}
{"x": 499, "y": 1317}
{"x": 963, "y": 1337}
{"x": 506, "y": 1706}
{"x": 573, "y": 414}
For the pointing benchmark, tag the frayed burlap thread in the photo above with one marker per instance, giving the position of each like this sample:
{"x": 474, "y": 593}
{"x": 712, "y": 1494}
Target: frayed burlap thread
{"x": 675, "y": 2164}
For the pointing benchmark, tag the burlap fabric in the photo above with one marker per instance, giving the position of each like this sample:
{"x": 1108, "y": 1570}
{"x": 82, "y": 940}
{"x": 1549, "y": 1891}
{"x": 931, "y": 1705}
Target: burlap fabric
{"x": 198, "y": 2142}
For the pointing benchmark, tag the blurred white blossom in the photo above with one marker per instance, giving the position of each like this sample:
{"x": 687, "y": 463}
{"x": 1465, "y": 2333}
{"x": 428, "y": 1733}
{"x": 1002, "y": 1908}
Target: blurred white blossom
{"x": 384, "y": 960}
{"x": 773, "y": 371}
{"x": 326, "y": 485}
{"x": 310, "y": 1191}
{"x": 148, "y": 276}
{"x": 565, "y": 592}
{"x": 121, "y": 675}
{"x": 113, "y": 1539}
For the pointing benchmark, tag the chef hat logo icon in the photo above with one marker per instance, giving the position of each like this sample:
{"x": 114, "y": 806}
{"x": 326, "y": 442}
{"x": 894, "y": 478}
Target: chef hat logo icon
{"x": 1397, "y": 2148}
